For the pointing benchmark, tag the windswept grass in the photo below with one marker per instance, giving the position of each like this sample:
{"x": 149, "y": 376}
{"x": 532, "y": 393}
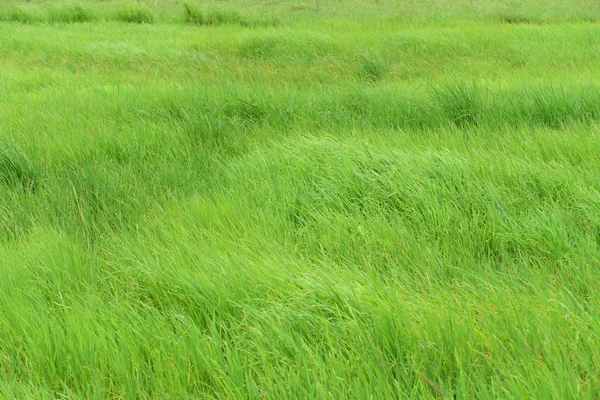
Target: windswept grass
{"x": 134, "y": 13}
{"x": 194, "y": 14}
{"x": 71, "y": 13}
{"x": 217, "y": 15}
{"x": 326, "y": 208}
{"x": 19, "y": 15}
{"x": 16, "y": 169}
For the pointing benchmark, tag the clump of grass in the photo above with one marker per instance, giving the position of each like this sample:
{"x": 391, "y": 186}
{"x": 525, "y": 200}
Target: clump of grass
{"x": 19, "y": 14}
{"x": 193, "y": 14}
{"x": 245, "y": 110}
{"x": 71, "y": 13}
{"x": 554, "y": 107}
{"x": 589, "y": 19}
{"x": 462, "y": 104}
{"x": 372, "y": 68}
{"x": 134, "y": 13}
{"x": 515, "y": 19}
{"x": 17, "y": 170}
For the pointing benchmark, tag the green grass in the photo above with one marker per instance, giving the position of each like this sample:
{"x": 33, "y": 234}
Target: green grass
{"x": 134, "y": 13}
{"x": 19, "y": 15}
{"x": 197, "y": 15}
{"x": 371, "y": 200}
{"x": 70, "y": 14}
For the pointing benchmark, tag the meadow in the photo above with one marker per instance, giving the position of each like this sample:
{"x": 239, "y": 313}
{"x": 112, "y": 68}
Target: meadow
{"x": 297, "y": 199}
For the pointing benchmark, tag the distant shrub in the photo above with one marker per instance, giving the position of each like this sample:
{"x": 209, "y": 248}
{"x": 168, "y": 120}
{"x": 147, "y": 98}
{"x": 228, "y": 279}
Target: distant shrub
{"x": 71, "y": 13}
{"x": 18, "y": 14}
{"x": 135, "y": 13}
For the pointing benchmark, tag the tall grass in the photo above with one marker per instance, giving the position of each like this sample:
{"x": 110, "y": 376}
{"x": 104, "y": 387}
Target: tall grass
{"x": 214, "y": 15}
{"x": 249, "y": 13}
{"x": 18, "y": 14}
{"x": 134, "y": 13}
{"x": 71, "y": 13}
{"x": 193, "y": 14}
{"x": 327, "y": 209}
{"x": 16, "y": 169}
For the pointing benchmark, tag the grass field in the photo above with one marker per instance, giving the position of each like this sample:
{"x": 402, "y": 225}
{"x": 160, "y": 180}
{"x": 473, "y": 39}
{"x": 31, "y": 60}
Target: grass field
{"x": 368, "y": 200}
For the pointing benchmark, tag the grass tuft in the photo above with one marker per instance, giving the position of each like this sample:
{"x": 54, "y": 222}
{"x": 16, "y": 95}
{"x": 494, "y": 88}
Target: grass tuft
{"x": 463, "y": 104}
{"x": 516, "y": 19}
{"x": 134, "y": 13}
{"x": 71, "y": 13}
{"x": 17, "y": 170}
{"x": 194, "y": 14}
{"x": 20, "y": 15}
{"x": 373, "y": 68}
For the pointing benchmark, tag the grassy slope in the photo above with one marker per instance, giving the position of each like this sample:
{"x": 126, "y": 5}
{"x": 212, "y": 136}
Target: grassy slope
{"x": 322, "y": 209}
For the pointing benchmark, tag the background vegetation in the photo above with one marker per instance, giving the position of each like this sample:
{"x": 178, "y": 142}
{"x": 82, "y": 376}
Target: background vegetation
{"x": 262, "y": 200}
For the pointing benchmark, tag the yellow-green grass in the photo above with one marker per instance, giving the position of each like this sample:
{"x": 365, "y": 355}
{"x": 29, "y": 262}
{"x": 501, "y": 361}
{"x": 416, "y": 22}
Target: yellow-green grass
{"x": 339, "y": 204}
